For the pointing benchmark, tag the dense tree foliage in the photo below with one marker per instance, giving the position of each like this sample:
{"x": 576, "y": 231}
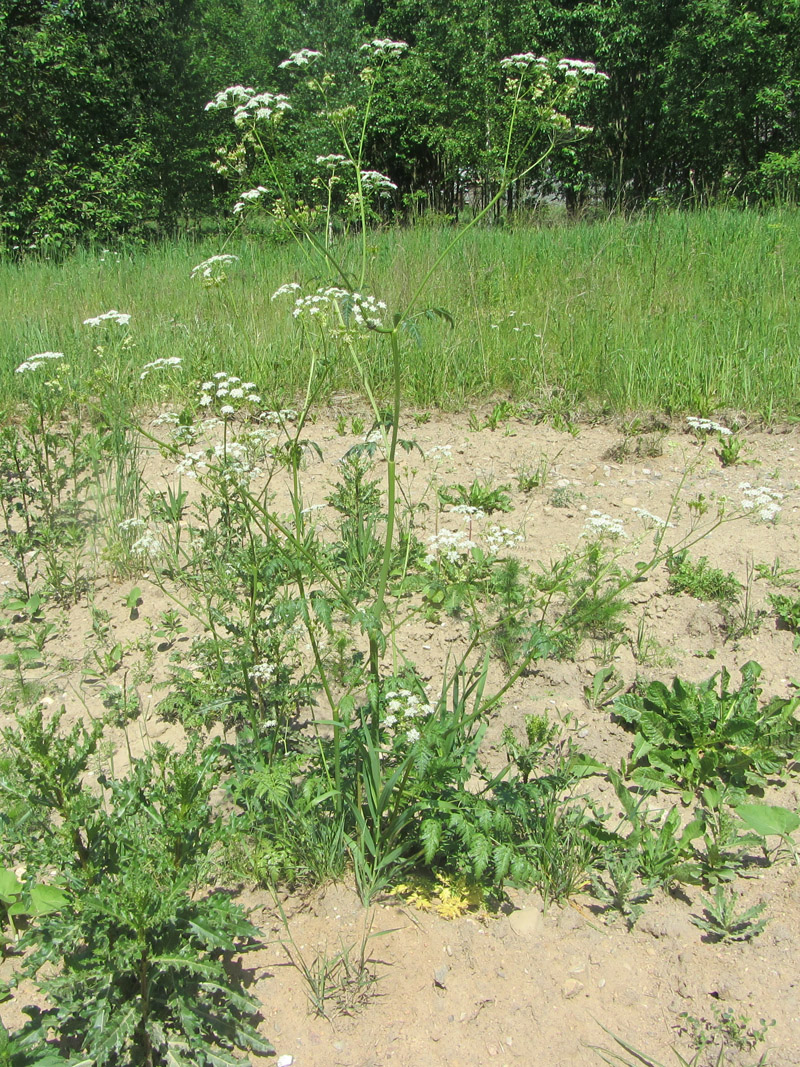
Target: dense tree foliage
{"x": 102, "y": 127}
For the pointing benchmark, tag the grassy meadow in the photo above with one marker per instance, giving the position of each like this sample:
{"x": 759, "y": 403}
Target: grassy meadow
{"x": 680, "y": 312}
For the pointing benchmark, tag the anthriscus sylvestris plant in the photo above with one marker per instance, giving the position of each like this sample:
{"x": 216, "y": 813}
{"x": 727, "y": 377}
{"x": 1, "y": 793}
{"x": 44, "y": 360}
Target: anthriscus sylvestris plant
{"x": 377, "y": 780}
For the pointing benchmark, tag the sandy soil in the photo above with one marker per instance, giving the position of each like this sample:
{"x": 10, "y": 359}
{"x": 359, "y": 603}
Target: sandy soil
{"x": 526, "y": 986}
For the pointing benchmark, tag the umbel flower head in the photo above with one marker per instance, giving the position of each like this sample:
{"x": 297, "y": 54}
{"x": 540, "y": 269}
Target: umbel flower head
{"x": 250, "y": 106}
{"x": 382, "y": 46}
{"x": 39, "y": 360}
{"x": 118, "y": 317}
{"x": 301, "y": 59}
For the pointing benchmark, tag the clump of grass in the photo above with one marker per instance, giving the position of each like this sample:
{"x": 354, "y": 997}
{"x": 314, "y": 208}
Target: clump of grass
{"x": 700, "y": 580}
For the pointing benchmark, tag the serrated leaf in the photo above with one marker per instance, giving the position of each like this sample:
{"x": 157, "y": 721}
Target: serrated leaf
{"x": 115, "y": 1031}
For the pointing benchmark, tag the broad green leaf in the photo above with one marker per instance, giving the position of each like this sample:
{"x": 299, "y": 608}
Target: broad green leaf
{"x": 767, "y": 819}
{"x": 46, "y": 899}
{"x": 10, "y": 886}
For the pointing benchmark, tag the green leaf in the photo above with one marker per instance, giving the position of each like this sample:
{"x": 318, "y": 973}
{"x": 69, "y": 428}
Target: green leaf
{"x": 10, "y": 886}
{"x": 767, "y": 819}
{"x": 46, "y": 899}
{"x": 116, "y": 1030}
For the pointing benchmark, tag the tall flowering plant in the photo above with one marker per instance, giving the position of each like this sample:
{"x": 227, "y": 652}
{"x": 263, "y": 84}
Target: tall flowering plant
{"x": 342, "y": 318}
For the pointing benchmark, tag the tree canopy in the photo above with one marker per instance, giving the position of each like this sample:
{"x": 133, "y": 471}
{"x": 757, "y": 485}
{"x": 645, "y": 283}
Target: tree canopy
{"x": 103, "y": 129}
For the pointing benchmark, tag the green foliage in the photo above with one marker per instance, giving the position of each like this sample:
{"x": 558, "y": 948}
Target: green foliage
{"x": 691, "y": 735}
{"x": 787, "y": 610}
{"x": 700, "y": 580}
{"x": 479, "y": 495}
{"x": 721, "y": 920}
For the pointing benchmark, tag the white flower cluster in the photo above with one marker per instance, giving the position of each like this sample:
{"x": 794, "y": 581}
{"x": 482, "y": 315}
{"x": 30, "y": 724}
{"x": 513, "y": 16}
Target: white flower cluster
{"x": 230, "y": 461}
{"x": 449, "y": 545}
{"x": 650, "y": 520}
{"x": 703, "y": 426}
{"x": 226, "y": 386}
{"x": 373, "y": 179}
{"x": 439, "y": 452}
{"x": 278, "y": 418}
{"x": 600, "y": 525}
{"x": 285, "y": 289}
{"x": 192, "y": 464}
{"x": 500, "y": 538}
{"x": 213, "y": 267}
{"x": 573, "y": 68}
{"x": 119, "y": 317}
{"x": 382, "y": 46}
{"x": 404, "y": 707}
{"x": 301, "y": 58}
{"x": 148, "y": 545}
{"x": 157, "y": 364}
{"x": 39, "y": 360}
{"x": 263, "y": 673}
{"x": 126, "y": 525}
{"x": 762, "y": 499}
{"x": 248, "y": 198}
{"x": 333, "y": 160}
{"x": 523, "y": 60}
{"x": 249, "y": 105}
{"x": 365, "y": 311}
{"x": 166, "y": 418}
{"x": 469, "y": 511}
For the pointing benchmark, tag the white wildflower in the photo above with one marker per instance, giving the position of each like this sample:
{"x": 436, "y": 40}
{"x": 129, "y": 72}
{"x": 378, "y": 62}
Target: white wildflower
{"x": 703, "y": 426}
{"x": 449, "y": 545}
{"x": 254, "y": 194}
{"x": 760, "y": 498}
{"x": 234, "y": 94}
{"x": 384, "y": 47}
{"x": 39, "y": 360}
{"x": 130, "y": 524}
{"x": 499, "y": 538}
{"x": 287, "y": 287}
{"x": 468, "y": 510}
{"x": 333, "y": 160}
{"x": 649, "y": 519}
{"x": 301, "y": 58}
{"x": 121, "y": 318}
{"x": 439, "y": 451}
{"x": 157, "y": 364}
{"x": 413, "y": 736}
{"x": 263, "y": 672}
{"x": 373, "y": 179}
{"x": 523, "y": 60}
{"x": 600, "y": 525}
{"x": 147, "y": 545}
{"x": 214, "y": 267}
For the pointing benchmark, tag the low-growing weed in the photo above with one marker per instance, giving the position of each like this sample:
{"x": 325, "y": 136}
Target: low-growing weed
{"x": 721, "y": 921}
{"x": 700, "y": 580}
{"x": 727, "y": 1031}
{"x": 480, "y": 496}
{"x": 690, "y": 735}
{"x": 787, "y": 611}
{"x": 729, "y": 451}
{"x": 341, "y": 983}
{"x": 535, "y": 477}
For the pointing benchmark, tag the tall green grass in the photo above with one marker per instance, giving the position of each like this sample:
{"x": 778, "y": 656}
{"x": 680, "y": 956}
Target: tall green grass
{"x": 680, "y": 312}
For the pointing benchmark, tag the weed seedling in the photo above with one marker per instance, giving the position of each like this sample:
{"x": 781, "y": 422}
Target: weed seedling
{"x": 722, "y": 922}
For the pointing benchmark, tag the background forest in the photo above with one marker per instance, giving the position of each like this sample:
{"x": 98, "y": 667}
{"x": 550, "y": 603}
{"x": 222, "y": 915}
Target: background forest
{"x": 103, "y": 130}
